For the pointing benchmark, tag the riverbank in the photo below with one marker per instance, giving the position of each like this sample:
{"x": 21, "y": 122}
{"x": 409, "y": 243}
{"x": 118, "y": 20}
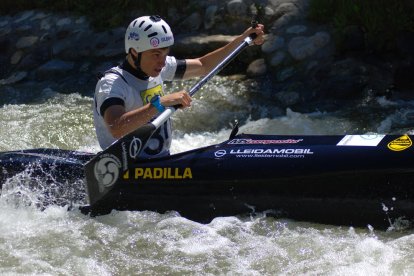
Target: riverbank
{"x": 298, "y": 67}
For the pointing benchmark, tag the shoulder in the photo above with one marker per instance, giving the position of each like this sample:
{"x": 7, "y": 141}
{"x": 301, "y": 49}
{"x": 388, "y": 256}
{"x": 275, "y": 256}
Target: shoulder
{"x": 112, "y": 78}
{"x": 171, "y": 61}
{"x": 111, "y": 85}
{"x": 168, "y": 71}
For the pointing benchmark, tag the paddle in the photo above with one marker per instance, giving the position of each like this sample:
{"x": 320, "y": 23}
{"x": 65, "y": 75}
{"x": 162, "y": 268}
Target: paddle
{"x": 104, "y": 170}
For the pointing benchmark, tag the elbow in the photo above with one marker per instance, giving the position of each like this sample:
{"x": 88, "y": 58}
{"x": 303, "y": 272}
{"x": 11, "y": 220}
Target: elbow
{"x": 115, "y": 131}
{"x": 196, "y": 67}
{"x": 116, "y": 135}
{"x": 203, "y": 68}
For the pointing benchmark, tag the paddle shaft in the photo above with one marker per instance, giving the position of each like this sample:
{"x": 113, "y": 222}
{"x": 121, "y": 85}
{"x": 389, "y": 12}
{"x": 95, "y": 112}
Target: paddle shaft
{"x": 165, "y": 115}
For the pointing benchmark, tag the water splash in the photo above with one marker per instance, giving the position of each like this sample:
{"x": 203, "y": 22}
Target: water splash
{"x": 39, "y": 188}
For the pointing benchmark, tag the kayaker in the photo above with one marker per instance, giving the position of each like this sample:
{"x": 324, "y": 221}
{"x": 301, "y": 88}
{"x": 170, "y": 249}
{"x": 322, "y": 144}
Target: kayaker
{"x": 131, "y": 94}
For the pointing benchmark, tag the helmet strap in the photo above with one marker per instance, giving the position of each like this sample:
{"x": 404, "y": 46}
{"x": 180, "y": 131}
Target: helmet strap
{"x": 138, "y": 71}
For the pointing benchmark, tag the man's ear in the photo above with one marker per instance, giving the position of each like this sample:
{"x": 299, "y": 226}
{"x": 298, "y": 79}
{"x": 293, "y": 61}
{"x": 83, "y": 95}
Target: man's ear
{"x": 133, "y": 52}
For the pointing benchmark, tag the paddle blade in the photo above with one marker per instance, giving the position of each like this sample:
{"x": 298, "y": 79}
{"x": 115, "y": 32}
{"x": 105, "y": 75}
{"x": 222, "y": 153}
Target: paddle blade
{"x": 104, "y": 171}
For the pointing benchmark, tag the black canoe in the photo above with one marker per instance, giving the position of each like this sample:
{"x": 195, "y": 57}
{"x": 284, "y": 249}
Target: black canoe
{"x": 342, "y": 179}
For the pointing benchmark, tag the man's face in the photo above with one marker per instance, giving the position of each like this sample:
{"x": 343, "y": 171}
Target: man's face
{"x": 152, "y": 61}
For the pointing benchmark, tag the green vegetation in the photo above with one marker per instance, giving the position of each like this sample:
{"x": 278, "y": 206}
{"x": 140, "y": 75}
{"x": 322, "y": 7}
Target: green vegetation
{"x": 103, "y": 14}
{"x": 380, "y": 20}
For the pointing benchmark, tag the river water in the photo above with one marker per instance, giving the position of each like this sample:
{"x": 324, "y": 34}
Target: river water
{"x": 56, "y": 240}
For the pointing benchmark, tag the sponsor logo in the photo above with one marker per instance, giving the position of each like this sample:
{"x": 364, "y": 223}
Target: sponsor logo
{"x": 154, "y": 42}
{"x": 368, "y": 140}
{"x": 265, "y": 153}
{"x": 135, "y": 147}
{"x": 263, "y": 142}
{"x": 166, "y": 38}
{"x": 159, "y": 173}
{"x": 107, "y": 171}
{"x": 133, "y": 36}
{"x": 220, "y": 153}
{"x": 401, "y": 143}
{"x": 271, "y": 151}
{"x": 148, "y": 94}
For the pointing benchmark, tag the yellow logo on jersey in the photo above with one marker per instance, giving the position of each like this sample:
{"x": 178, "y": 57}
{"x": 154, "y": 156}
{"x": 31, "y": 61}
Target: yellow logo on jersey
{"x": 146, "y": 95}
{"x": 401, "y": 143}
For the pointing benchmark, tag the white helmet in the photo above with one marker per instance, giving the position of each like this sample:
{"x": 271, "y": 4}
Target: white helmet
{"x": 148, "y": 32}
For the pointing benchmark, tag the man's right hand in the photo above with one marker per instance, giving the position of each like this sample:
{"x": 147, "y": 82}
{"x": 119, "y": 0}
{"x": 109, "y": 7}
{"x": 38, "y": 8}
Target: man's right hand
{"x": 179, "y": 99}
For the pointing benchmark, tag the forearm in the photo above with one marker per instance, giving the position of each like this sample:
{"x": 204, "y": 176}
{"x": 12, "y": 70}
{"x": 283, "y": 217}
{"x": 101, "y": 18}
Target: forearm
{"x": 210, "y": 60}
{"x": 202, "y": 66}
{"x": 121, "y": 123}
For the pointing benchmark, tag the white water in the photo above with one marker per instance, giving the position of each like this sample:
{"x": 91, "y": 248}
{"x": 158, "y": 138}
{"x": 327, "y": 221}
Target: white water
{"x": 58, "y": 241}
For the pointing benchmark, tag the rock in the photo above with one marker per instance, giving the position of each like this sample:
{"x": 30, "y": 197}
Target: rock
{"x": 302, "y": 47}
{"x": 39, "y": 16}
{"x": 29, "y": 62}
{"x": 294, "y": 48}
{"x": 24, "y": 29}
{"x": 16, "y": 77}
{"x": 237, "y": 77}
{"x": 82, "y": 21}
{"x": 34, "y": 58}
{"x": 45, "y": 37}
{"x": 5, "y": 31}
{"x": 343, "y": 79}
{"x": 115, "y": 44}
{"x": 110, "y": 52}
{"x": 54, "y": 68}
{"x": 193, "y": 46}
{"x": 268, "y": 12}
{"x": 257, "y": 68}
{"x": 16, "y": 57}
{"x": 320, "y": 39}
{"x": 24, "y": 16}
{"x": 296, "y": 29}
{"x": 26, "y": 41}
{"x": 285, "y": 74}
{"x": 63, "y": 22}
{"x": 46, "y": 24}
{"x": 237, "y": 8}
{"x": 287, "y": 98}
{"x": 191, "y": 23}
{"x": 209, "y": 17}
{"x": 173, "y": 16}
{"x": 277, "y": 59}
{"x": 286, "y": 9}
{"x": 273, "y": 43}
{"x": 59, "y": 46}
{"x": 4, "y": 23}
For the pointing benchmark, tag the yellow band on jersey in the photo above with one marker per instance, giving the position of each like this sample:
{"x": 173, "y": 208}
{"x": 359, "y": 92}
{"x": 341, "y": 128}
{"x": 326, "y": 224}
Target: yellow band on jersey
{"x": 147, "y": 95}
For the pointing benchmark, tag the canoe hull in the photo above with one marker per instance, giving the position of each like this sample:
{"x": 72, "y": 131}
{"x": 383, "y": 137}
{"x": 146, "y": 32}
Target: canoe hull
{"x": 326, "y": 179}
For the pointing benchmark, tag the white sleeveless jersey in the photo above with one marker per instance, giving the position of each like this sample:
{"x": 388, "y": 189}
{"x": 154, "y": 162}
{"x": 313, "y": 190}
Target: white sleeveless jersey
{"x": 134, "y": 93}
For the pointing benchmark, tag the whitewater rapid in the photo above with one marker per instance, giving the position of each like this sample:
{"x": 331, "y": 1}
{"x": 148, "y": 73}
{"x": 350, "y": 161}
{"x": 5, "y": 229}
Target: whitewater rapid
{"x": 60, "y": 240}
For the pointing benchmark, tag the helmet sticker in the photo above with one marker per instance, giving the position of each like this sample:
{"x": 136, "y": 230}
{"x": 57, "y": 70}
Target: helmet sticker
{"x": 166, "y": 38}
{"x": 133, "y": 36}
{"x": 155, "y": 42}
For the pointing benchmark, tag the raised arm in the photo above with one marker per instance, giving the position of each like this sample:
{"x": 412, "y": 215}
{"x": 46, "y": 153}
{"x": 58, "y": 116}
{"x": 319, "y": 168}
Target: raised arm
{"x": 201, "y": 66}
